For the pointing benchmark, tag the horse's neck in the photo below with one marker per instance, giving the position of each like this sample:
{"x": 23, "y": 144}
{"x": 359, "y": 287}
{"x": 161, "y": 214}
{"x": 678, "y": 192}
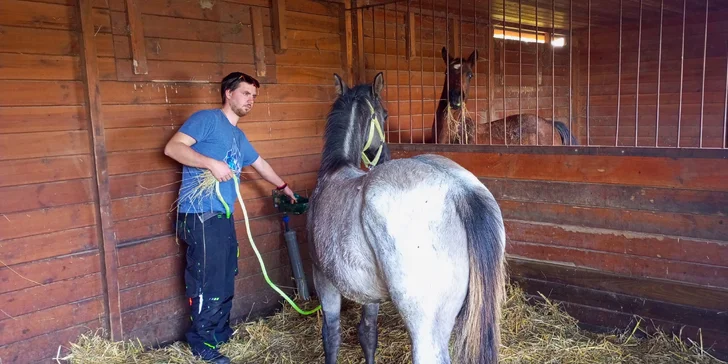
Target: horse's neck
{"x": 441, "y": 113}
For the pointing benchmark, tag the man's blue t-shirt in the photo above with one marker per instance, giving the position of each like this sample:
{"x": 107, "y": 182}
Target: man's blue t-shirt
{"x": 218, "y": 139}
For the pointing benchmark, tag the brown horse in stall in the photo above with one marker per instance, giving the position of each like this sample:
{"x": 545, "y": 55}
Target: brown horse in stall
{"x": 453, "y": 125}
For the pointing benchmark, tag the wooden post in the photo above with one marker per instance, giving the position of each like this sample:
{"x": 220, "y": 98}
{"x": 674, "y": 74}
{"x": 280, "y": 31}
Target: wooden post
{"x": 256, "y": 18}
{"x": 280, "y": 34}
{"x": 107, "y": 248}
{"x": 136, "y": 30}
{"x": 347, "y": 40}
{"x": 358, "y": 28}
{"x": 411, "y": 40}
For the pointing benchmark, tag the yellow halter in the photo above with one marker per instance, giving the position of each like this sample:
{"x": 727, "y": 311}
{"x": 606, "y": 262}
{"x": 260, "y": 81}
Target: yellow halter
{"x": 375, "y": 125}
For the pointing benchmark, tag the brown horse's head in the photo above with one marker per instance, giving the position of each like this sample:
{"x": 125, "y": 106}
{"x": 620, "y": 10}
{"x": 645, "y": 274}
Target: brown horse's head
{"x": 458, "y": 76}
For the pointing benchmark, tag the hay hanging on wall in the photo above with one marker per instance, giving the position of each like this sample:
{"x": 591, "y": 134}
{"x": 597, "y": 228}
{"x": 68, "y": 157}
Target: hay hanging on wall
{"x": 539, "y": 332}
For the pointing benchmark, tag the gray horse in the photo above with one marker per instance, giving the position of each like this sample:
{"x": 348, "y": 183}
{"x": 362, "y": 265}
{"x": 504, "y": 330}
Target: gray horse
{"x": 423, "y": 232}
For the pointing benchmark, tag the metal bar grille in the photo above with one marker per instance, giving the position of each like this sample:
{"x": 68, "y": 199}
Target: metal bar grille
{"x": 503, "y": 68}
{"x": 460, "y": 51}
{"x": 553, "y": 74}
{"x": 659, "y": 77}
{"x": 399, "y": 101}
{"x": 619, "y": 77}
{"x": 520, "y": 71}
{"x": 682, "y": 73}
{"x": 725, "y": 103}
{"x": 637, "y": 93}
{"x": 702, "y": 88}
{"x": 422, "y": 78}
{"x": 571, "y": 46}
{"x": 704, "y": 129}
{"x": 475, "y": 44}
{"x": 537, "y": 83}
{"x": 588, "y": 76}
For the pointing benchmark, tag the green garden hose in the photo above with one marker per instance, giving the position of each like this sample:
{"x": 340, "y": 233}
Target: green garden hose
{"x": 255, "y": 249}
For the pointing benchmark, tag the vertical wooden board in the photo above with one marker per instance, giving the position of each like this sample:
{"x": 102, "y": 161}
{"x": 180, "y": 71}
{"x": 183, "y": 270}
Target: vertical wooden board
{"x": 347, "y": 40}
{"x": 360, "y": 63}
{"x": 103, "y": 214}
{"x": 256, "y": 18}
{"x": 454, "y": 34}
{"x": 491, "y": 74}
{"x": 576, "y": 106}
{"x": 411, "y": 34}
{"x": 278, "y": 23}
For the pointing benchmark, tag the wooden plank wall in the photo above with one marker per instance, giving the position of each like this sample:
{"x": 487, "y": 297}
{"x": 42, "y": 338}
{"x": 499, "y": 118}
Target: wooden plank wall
{"x": 613, "y": 233}
{"x": 413, "y": 86}
{"x": 49, "y": 242}
{"x": 51, "y": 285}
{"x": 604, "y": 76}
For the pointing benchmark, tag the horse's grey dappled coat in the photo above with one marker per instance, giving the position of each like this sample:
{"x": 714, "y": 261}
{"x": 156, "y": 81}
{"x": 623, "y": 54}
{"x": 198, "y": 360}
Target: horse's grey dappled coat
{"x": 423, "y": 232}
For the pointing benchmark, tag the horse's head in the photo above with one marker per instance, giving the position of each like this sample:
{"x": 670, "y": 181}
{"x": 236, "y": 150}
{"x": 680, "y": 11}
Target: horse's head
{"x": 369, "y": 116}
{"x": 458, "y": 76}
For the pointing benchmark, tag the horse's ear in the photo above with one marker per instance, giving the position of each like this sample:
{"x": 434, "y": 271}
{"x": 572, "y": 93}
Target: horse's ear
{"x": 378, "y": 84}
{"x": 473, "y": 57}
{"x": 445, "y": 56}
{"x": 341, "y": 87}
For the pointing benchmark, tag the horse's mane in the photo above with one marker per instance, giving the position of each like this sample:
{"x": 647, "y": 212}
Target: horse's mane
{"x": 338, "y": 129}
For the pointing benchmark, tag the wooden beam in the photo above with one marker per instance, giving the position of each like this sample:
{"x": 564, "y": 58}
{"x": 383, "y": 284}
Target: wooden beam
{"x": 411, "y": 33}
{"x": 576, "y": 90}
{"x": 491, "y": 74}
{"x": 104, "y": 223}
{"x": 454, "y": 41}
{"x": 136, "y": 30}
{"x": 280, "y": 33}
{"x": 359, "y": 64}
{"x": 256, "y": 18}
{"x": 347, "y": 40}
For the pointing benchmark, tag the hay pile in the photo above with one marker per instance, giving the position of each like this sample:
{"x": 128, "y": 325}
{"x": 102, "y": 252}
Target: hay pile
{"x": 531, "y": 333}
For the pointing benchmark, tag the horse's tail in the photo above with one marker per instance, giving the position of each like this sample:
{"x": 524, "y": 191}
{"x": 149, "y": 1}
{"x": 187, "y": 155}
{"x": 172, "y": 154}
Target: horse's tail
{"x": 478, "y": 334}
{"x": 567, "y": 138}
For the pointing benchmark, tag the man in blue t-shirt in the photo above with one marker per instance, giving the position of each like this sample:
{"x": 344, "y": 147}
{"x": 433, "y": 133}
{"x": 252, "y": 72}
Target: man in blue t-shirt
{"x": 210, "y": 140}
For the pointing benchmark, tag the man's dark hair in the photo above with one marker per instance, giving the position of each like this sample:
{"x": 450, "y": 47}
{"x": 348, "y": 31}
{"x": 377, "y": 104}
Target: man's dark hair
{"x": 233, "y": 80}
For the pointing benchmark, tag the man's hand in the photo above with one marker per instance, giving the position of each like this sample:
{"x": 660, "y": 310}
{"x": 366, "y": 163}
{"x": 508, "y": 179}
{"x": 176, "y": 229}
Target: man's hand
{"x": 220, "y": 170}
{"x": 290, "y": 194}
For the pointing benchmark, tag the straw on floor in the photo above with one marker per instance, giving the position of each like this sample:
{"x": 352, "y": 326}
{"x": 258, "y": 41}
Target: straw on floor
{"x": 532, "y": 332}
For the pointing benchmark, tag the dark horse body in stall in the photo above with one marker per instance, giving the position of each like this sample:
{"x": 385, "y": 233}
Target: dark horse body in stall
{"x": 453, "y": 125}
{"x": 422, "y": 232}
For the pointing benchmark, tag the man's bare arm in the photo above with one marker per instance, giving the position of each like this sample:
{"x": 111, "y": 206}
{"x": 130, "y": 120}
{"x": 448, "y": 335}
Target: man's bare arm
{"x": 180, "y": 149}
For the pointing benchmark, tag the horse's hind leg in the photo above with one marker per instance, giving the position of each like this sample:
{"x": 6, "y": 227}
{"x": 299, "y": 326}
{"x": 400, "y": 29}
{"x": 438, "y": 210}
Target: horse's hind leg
{"x": 368, "y": 331}
{"x": 331, "y": 307}
{"x": 430, "y": 343}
